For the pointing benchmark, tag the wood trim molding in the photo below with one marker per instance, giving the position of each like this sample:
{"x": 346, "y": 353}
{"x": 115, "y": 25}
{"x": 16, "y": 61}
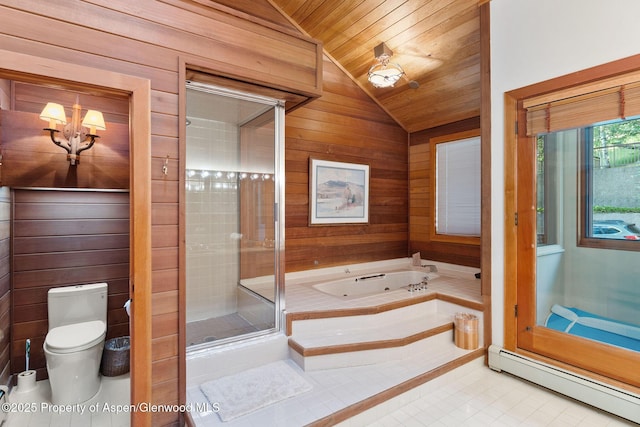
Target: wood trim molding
{"x": 182, "y": 256}
{"x": 18, "y": 66}
{"x": 461, "y": 302}
{"x": 485, "y": 174}
{"x": 510, "y": 229}
{"x": 599, "y": 72}
{"x": 141, "y": 352}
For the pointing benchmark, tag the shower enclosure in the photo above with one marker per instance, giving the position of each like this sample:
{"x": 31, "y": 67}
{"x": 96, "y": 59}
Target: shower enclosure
{"x": 233, "y": 188}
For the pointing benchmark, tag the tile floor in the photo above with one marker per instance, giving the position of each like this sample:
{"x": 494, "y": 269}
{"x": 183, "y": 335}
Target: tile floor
{"x": 333, "y": 390}
{"x": 114, "y": 391}
{"x": 472, "y": 395}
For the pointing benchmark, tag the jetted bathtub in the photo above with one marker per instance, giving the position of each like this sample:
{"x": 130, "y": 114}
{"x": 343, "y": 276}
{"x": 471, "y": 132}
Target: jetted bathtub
{"x": 375, "y": 283}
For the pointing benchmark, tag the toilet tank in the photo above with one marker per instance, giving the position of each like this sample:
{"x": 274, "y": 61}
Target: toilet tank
{"x": 75, "y": 304}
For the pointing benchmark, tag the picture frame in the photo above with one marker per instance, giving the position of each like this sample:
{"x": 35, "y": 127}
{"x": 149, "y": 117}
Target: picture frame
{"x": 338, "y": 193}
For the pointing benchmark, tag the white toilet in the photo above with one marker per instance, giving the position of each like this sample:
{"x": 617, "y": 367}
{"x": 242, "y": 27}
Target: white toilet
{"x": 73, "y": 346}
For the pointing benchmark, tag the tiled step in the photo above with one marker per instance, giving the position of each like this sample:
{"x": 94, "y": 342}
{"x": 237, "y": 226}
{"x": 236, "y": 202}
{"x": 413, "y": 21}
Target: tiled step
{"x": 346, "y": 322}
{"x": 369, "y": 352}
{"x": 366, "y": 339}
{"x": 392, "y": 335}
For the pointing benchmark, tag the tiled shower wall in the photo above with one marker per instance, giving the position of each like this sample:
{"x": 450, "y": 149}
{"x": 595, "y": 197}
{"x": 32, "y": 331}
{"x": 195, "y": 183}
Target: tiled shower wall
{"x": 212, "y": 220}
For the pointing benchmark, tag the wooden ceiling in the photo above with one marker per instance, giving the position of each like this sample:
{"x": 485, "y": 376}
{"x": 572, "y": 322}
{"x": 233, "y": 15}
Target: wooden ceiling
{"x": 436, "y": 42}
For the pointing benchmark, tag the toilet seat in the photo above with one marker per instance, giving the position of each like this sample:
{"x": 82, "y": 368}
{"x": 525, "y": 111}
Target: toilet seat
{"x": 75, "y": 337}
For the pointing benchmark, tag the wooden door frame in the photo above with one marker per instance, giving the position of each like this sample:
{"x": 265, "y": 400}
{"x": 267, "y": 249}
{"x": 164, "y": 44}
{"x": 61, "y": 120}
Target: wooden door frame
{"x": 485, "y": 160}
{"x": 519, "y": 260}
{"x": 18, "y": 66}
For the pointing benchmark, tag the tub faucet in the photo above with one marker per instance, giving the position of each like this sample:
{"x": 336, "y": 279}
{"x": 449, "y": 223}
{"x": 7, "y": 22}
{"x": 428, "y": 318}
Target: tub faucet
{"x": 432, "y": 268}
{"x": 415, "y": 259}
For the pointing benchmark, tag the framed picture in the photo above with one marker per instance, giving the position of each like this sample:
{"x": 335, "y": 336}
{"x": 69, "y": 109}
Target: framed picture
{"x": 338, "y": 192}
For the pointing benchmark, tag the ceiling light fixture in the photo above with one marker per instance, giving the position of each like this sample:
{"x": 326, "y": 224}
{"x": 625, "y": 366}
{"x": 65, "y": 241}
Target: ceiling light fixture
{"x": 78, "y": 137}
{"x": 384, "y": 73}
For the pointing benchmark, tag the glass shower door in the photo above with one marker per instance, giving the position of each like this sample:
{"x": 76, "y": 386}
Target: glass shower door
{"x": 232, "y": 230}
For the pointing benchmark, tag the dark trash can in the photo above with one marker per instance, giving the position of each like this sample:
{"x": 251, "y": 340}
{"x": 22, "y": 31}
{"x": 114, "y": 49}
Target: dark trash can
{"x": 115, "y": 357}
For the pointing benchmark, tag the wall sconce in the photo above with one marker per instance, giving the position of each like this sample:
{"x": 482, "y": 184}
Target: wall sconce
{"x": 75, "y": 132}
{"x": 384, "y": 73}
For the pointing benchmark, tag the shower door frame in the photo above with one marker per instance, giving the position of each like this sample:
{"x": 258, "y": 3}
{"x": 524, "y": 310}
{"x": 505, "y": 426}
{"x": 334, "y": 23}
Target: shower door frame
{"x": 278, "y": 98}
{"x": 277, "y": 108}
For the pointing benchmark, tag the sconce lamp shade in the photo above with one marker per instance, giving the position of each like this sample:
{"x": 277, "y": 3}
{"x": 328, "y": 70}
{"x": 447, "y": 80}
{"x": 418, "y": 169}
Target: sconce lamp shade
{"x": 54, "y": 114}
{"x": 385, "y": 74}
{"x": 94, "y": 120}
{"x": 75, "y": 138}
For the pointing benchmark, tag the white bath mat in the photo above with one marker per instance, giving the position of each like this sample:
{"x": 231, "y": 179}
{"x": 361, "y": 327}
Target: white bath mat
{"x": 250, "y": 390}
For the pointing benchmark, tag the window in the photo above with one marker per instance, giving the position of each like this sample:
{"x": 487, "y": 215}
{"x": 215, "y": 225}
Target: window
{"x": 609, "y": 185}
{"x": 455, "y": 160}
{"x": 609, "y": 147}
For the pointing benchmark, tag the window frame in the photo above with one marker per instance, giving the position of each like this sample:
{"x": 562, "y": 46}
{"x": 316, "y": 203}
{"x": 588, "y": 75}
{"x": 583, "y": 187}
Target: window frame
{"x": 585, "y": 220}
{"x": 433, "y": 143}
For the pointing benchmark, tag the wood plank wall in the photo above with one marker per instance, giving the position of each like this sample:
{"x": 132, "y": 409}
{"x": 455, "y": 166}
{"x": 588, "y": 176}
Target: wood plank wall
{"x": 420, "y": 216}
{"x": 5, "y": 284}
{"x": 63, "y": 238}
{"x": 149, "y": 39}
{"x": 345, "y": 125}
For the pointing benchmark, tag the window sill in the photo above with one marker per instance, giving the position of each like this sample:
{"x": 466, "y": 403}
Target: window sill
{"x": 547, "y": 250}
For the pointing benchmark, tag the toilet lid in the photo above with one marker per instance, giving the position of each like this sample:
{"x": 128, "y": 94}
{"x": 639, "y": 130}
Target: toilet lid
{"x": 75, "y": 337}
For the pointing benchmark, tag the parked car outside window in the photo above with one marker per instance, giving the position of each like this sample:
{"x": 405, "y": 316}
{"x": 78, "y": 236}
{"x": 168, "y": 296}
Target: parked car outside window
{"x": 615, "y": 229}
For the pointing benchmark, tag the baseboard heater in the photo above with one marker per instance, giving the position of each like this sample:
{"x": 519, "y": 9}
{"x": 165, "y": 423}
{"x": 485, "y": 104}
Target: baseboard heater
{"x": 617, "y": 401}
